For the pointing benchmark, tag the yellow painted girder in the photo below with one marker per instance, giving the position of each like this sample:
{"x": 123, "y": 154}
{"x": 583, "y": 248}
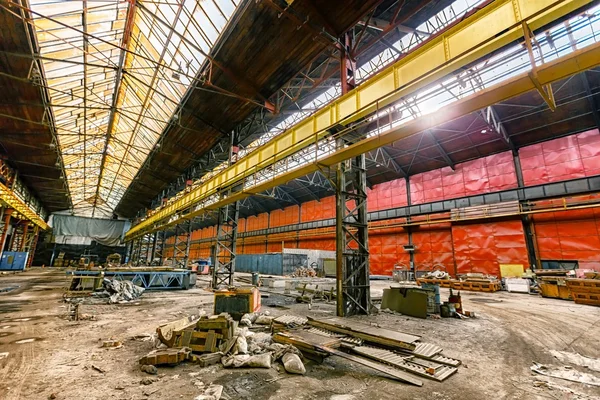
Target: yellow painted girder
{"x": 14, "y": 202}
{"x": 484, "y": 32}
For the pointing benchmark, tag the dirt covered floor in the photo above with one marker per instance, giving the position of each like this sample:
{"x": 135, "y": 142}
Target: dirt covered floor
{"x": 43, "y": 355}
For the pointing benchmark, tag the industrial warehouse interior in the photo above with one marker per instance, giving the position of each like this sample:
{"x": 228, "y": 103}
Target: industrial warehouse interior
{"x": 299, "y": 199}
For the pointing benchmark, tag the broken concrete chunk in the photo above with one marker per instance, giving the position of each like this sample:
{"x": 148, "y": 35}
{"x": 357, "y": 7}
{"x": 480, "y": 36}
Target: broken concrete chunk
{"x": 293, "y": 364}
{"x": 213, "y": 392}
{"x": 112, "y": 343}
{"x": 149, "y": 369}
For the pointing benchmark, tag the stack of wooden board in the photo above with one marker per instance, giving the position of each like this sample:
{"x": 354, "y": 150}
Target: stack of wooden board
{"x": 584, "y": 291}
{"x": 471, "y": 284}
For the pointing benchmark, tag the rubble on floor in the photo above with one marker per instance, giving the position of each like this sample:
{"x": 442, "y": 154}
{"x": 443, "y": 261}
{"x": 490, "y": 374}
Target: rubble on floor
{"x": 304, "y": 272}
{"x": 292, "y": 340}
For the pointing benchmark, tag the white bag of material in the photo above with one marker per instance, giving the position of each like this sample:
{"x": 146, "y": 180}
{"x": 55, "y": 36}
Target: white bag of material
{"x": 293, "y": 364}
{"x": 263, "y": 320}
{"x": 241, "y": 345}
{"x": 259, "y": 361}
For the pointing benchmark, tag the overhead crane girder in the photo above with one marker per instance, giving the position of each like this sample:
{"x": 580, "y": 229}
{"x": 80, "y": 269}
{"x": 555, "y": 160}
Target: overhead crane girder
{"x": 495, "y": 26}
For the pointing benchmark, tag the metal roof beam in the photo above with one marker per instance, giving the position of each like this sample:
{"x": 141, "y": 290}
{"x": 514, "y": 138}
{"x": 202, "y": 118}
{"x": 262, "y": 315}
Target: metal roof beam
{"x": 443, "y": 152}
{"x": 591, "y": 100}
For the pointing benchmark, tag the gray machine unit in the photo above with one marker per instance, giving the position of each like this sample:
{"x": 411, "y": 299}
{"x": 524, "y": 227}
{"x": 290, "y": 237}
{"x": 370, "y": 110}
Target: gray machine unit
{"x": 270, "y": 263}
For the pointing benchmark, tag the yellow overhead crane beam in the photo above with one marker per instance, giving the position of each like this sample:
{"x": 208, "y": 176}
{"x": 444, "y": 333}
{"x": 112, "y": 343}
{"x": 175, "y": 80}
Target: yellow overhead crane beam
{"x": 13, "y": 201}
{"x": 489, "y": 29}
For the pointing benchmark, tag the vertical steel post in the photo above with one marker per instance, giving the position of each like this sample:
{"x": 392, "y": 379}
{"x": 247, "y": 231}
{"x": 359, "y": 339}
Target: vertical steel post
{"x": 24, "y": 238}
{"x": 153, "y": 251}
{"x": 225, "y": 248}
{"x": 526, "y": 220}
{"x": 352, "y": 240}
{"x": 227, "y": 231}
{"x": 31, "y": 245}
{"x": 181, "y": 248}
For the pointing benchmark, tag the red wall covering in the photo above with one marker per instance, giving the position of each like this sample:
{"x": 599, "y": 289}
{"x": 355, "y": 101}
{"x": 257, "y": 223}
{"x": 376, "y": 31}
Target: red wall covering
{"x": 483, "y": 247}
{"x": 571, "y": 157}
{"x": 487, "y": 174}
{"x": 570, "y": 235}
{"x": 461, "y": 248}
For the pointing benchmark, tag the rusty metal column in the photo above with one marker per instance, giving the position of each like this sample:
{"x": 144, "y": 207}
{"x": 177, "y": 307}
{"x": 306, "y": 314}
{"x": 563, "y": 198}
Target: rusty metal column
{"x": 7, "y": 214}
{"x": 25, "y": 231}
{"x": 32, "y": 245}
{"x": 352, "y": 240}
{"x": 347, "y": 65}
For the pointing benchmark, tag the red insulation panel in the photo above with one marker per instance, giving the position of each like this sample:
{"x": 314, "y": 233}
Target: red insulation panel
{"x": 488, "y": 174}
{"x": 317, "y": 210}
{"x": 387, "y": 195}
{"x": 570, "y": 235}
{"x": 483, "y": 247}
{"x": 570, "y": 157}
{"x": 287, "y": 216}
{"x": 433, "y": 247}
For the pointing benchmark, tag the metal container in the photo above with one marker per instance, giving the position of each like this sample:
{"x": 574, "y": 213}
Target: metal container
{"x": 270, "y": 263}
{"x": 255, "y": 278}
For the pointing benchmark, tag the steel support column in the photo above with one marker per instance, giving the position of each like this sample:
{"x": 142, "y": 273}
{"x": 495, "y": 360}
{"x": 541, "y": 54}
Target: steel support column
{"x": 159, "y": 252}
{"x": 136, "y": 251}
{"x": 527, "y": 220}
{"x": 31, "y": 244}
{"x": 227, "y": 230}
{"x": 154, "y": 244}
{"x": 181, "y": 248}
{"x": 352, "y": 241}
{"x": 225, "y": 248}
{"x": 409, "y": 229}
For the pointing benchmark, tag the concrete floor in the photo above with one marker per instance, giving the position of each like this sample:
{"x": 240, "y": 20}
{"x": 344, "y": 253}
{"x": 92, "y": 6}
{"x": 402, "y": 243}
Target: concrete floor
{"x": 48, "y": 355}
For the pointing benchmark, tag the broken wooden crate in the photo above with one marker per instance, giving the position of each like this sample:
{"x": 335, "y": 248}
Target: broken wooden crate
{"x": 203, "y": 335}
{"x": 166, "y": 356}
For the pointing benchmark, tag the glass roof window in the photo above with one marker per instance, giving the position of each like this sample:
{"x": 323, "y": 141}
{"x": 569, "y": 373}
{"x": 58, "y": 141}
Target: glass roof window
{"x": 116, "y": 72}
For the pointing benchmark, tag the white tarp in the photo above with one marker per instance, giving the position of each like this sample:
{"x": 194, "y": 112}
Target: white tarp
{"x": 105, "y": 231}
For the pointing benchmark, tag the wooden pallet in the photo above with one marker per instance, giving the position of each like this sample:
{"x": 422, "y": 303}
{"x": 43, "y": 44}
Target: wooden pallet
{"x": 476, "y": 286}
{"x": 592, "y": 299}
{"x": 583, "y": 285}
{"x": 445, "y": 283}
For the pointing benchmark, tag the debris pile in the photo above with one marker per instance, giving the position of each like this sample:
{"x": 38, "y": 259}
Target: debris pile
{"x": 304, "y": 272}
{"x": 119, "y": 291}
{"x": 219, "y": 339}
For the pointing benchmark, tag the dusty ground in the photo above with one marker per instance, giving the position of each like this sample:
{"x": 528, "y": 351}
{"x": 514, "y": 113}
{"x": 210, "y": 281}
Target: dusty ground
{"x": 497, "y": 348}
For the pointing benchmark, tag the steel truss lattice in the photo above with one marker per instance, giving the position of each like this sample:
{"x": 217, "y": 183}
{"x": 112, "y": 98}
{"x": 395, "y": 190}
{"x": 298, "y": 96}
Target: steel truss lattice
{"x": 181, "y": 244}
{"x": 352, "y": 248}
{"x": 225, "y": 251}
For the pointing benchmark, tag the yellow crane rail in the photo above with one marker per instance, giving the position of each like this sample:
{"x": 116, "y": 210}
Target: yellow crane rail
{"x": 13, "y": 201}
{"x": 489, "y": 29}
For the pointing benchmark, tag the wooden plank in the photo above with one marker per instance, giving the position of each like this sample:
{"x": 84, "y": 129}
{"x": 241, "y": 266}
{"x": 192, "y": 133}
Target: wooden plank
{"x": 368, "y": 333}
{"x": 167, "y": 332}
{"x": 388, "y": 371}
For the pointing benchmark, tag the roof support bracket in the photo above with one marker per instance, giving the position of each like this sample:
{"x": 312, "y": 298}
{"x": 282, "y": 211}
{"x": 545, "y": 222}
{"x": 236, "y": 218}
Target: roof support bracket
{"x": 544, "y": 90}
